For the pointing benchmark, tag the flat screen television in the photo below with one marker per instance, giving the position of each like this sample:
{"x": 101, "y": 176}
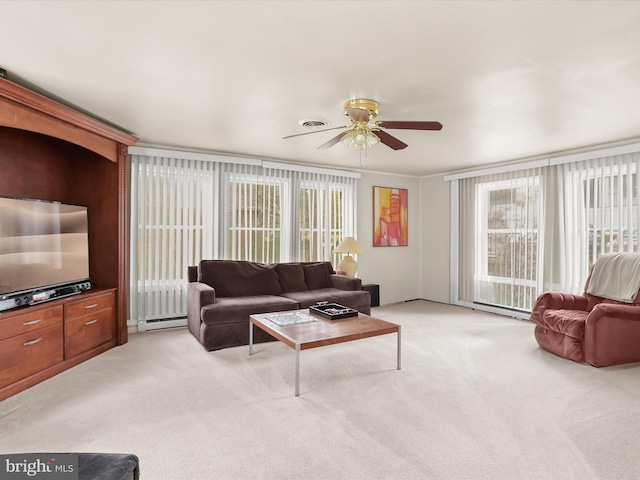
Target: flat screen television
{"x": 43, "y": 245}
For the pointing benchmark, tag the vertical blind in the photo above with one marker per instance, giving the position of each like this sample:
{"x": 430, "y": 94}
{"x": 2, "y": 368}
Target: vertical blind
{"x": 578, "y": 207}
{"x": 171, "y": 211}
{"x": 598, "y": 213}
{"x": 184, "y": 210}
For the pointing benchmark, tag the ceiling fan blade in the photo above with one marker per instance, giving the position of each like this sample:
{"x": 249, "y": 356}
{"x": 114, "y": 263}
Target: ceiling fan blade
{"x": 315, "y": 131}
{"x": 389, "y": 140}
{"x": 358, "y": 115}
{"x": 331, "y": 142}
{"x": 412, "y": 125}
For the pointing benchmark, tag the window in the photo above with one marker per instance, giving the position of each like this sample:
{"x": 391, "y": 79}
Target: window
{"x": 507, "y": 253}
{"x": 267, "y": 222}
{"x": 254, "y": 218}
{"x": 321, "y": 220}
{"x": 578, "y": 207}
{"x": 193, "y": 206}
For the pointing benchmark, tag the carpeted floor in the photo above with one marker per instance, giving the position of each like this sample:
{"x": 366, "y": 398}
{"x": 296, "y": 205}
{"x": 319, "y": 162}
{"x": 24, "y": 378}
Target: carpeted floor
{"x": 475, "y": 399}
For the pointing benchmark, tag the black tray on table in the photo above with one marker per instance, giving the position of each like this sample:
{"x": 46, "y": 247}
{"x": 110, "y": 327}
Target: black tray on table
{"x": 333, "y": 311}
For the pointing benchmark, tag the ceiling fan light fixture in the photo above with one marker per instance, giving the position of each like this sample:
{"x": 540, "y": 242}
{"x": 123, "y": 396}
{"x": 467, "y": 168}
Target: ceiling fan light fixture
{"x": 372, "y": 139}
{"x": 360, "y": 138}
{"x": 348, "y": 138}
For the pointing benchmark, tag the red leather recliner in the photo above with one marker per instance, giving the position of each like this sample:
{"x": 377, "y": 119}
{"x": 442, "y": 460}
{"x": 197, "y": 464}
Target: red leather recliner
{"x": 587, "y": 328}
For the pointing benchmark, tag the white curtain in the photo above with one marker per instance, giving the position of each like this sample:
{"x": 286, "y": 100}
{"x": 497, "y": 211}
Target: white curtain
{"x": 171, "y": 228}
{"x": 598, "y": 213}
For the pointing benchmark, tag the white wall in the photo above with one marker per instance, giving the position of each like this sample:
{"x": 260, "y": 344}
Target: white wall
{"x": 395, "y": 269}
{"x": 435, "y": 238}
{"x": 421, "y": 269}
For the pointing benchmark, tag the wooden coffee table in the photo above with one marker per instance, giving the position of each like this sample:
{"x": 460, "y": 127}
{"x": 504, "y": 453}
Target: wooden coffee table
{"x": 319, "y": 332}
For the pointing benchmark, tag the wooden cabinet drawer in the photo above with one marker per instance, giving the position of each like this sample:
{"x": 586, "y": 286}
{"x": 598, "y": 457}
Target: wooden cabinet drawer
{"x": 87, "y": 306}
{"x": 29, "y": 321}
{"x": 89, "y": 331}
{"x": 26, "y": 354}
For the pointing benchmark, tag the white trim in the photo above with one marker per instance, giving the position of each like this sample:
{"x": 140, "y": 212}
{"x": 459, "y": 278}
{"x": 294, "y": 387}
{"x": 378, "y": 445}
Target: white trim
{"x": 307, "y": 169}
{"x": 496, "y": 310}
{"x": 183, "y": 155}
{"x": 498, "y": 169}
{"x": 606, "y": 152}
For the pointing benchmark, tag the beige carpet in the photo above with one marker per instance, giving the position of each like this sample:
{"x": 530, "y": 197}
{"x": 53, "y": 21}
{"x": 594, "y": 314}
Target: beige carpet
{"x": 476, "y": 399}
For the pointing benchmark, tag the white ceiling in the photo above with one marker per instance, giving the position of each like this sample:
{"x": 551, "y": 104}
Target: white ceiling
{"x": 507, "y": 79}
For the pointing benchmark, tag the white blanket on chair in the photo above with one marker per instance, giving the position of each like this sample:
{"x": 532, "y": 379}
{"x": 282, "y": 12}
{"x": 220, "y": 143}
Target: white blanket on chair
{"x": 616, "y": 276}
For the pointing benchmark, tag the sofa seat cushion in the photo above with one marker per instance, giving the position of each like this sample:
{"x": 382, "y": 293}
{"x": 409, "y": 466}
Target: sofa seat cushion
{"x": 348, "y": 298}
{"x": 559, "y": 344}
{"x": 566, "y": 322}
{"x": 238, "y": 309}
{"x": 237, "y": 278}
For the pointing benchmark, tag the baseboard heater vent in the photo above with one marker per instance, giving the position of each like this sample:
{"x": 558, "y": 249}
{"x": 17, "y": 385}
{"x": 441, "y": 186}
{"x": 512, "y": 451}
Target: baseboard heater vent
{"x": 159, "y": 323}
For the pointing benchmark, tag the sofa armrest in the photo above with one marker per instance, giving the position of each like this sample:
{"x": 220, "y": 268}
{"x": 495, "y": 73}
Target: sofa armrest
{"x": 201, "y": 293}
{"x": 345, "y": 283}
{"x": 557, "y": 301}
{"x": 612, "y": 335}
{"x": 614, "y": 310}
{"x": 198, "y": 295}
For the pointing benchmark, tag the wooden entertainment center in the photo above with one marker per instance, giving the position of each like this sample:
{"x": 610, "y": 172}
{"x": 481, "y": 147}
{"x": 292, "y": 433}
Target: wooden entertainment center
{"x": 49, "y": 151}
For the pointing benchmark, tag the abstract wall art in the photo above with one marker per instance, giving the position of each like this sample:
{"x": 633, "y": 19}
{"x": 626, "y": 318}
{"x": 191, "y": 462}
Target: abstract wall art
{"x": 390, "y": 226}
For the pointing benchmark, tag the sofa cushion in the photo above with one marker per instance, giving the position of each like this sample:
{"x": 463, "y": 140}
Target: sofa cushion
{"x": 237, "y": 309}
{"x": 291, "y": 277}
{"x": 235, "y": 278}
{"x": 317, "y": 275}
{"x": 566, "y": 322}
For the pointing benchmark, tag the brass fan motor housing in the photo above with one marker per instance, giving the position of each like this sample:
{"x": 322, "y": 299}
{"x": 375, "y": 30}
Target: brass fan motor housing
{"x": 370, "y": 106}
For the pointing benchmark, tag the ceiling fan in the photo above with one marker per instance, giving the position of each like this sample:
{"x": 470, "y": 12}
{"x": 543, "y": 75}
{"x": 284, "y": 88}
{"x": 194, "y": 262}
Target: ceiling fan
{"x": 365, "y": 131}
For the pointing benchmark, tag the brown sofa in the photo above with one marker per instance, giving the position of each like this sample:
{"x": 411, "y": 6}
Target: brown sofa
{"x": 221, "y": 295}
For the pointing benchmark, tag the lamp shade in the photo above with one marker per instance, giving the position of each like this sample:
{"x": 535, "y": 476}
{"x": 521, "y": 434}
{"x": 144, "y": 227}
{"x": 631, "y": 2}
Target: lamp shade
{"x": 348, "y": 245}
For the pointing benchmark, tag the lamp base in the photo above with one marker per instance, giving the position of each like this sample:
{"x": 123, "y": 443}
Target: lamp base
{"x": 348, "y": 265}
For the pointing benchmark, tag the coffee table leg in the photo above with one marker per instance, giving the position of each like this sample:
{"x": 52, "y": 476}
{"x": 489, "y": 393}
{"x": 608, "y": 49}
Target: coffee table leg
{"x": 297, "y": 369}
{"x": 399, "y": 356}
{"x": 250, "y": 337}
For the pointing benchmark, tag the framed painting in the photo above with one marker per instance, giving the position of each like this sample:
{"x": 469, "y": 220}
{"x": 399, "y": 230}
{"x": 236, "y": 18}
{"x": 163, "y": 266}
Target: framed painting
{"x": 390, "y": 225}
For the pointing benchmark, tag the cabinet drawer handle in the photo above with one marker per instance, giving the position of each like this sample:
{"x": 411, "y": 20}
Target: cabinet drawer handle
{"x": 91, "y": 322}
{"x": 32, "y": 342}
{"x": 32, "y": 322}
{"x": 93, "y": 305}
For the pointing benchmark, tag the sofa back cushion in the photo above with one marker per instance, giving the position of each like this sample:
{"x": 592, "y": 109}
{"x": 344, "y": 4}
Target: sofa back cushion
{"x": 317, "y": 275}
{"x": 237, "y": 278}
{"x": 291, "y": 277}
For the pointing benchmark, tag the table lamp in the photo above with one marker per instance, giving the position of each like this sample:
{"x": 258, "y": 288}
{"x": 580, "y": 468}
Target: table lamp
{"x": 348, "y": 245}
